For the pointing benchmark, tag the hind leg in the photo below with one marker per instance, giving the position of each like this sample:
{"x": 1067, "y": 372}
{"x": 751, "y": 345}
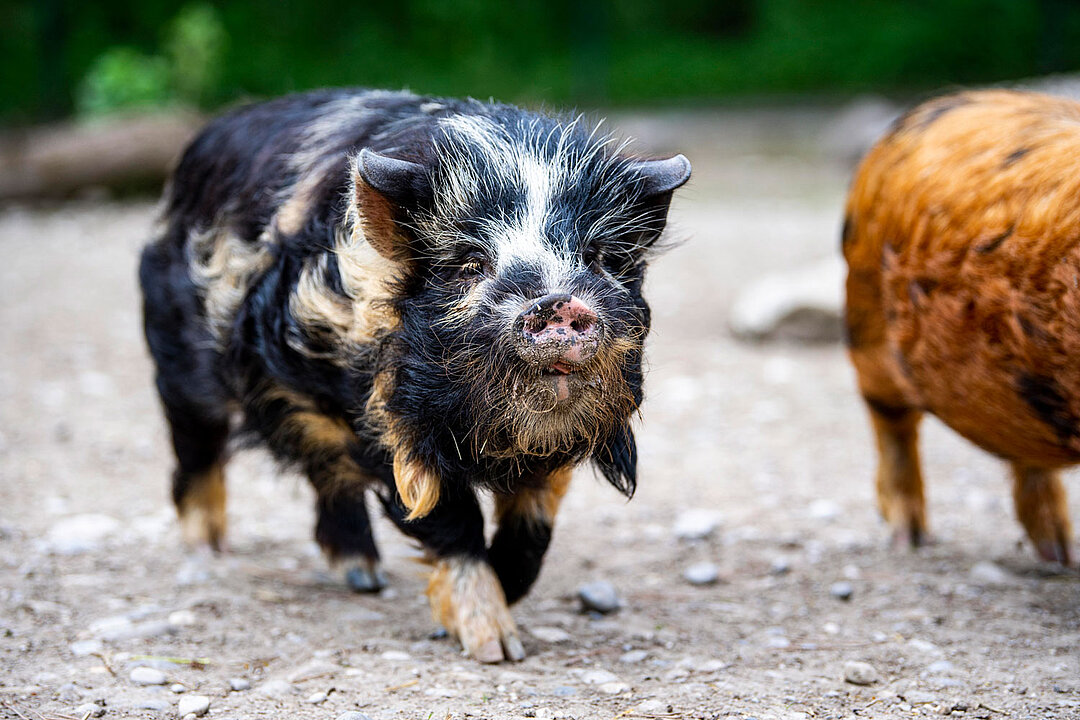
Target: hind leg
{"x": 343, "y": 531}
{"x": 1041, "y": 507}
{"x": 899, "y": 477}
{"x": 297, "y": 431}
{"x": 198, "y": 486}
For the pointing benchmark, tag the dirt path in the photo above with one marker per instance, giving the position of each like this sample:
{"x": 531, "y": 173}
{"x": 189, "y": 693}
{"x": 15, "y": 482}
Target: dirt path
{"x": 771, "y": 438}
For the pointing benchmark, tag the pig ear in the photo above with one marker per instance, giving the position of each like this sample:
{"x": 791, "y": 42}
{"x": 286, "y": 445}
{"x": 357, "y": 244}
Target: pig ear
{"x": 659, "y": 177}
{"x": 387, "y": 189}
{"x": 400, "y": 181}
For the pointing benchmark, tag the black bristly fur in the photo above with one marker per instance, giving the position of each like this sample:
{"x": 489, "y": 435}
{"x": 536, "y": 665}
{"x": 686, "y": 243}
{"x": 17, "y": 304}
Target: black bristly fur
{"x": 289, "y": 372}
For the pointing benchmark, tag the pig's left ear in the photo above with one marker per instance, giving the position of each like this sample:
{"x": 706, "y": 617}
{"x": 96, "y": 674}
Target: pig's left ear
{"x": 653, "y": 182}
{"x": 616, "y": 458}
{"x": 660, "y": 177}
{"x": 387, "y": 190}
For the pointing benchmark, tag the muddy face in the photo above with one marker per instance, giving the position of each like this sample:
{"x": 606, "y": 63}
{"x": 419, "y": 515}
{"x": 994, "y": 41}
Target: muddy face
{"x": 557, "y": 336}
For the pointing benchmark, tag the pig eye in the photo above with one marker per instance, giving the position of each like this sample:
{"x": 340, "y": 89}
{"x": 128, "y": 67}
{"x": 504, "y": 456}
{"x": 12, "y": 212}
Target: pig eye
{"x": 593, "y": 259}
{"x": 473, "y": 266}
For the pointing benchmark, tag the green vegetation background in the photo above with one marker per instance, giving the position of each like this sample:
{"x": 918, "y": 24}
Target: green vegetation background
{"x": 95, "y": 56}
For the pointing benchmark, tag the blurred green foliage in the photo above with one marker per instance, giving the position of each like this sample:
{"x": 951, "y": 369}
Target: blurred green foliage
{"x": 59, "y": 55}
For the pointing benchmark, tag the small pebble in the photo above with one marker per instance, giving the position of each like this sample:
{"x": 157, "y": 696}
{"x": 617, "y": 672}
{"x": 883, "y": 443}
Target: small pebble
{"x": 841, "y": 590}
{"x": 181, "y": 618}
{"x": 696, "y": 524}
{"x": 918, "y": 697}
{"x": 860, "y": 673}
{"x": 196, "y": 705}
{"x": 89, "y": 710}
{"x": 704, "y": 573}
{"x": 177, "y": 688}
{"x": 940, "y": 667}
{"x": 81, "y": 648}
{"x": 614, "y": 688}
{"x": 987, "y": 573}
{"x": 780, "y": 566}
{"x": 352, "y": 716}
{"x": 599, "y": 596}
{"x": 239, "y": 684}
{"x": 274, "y": 688}
{"x": 598, "y": 677}
{"x": 396, "y": 655}
{"x": 633, "y": 656}
{"x": 156, "y": 704}
{"x": 148, "y": 676}
{"x": 550, "y": 634}
{"x": 316, "y": 698}
{"x": 70, "y": 693}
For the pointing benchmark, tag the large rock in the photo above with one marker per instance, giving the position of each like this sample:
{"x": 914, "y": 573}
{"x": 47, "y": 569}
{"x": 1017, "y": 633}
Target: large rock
{"x": 804, "y": 304}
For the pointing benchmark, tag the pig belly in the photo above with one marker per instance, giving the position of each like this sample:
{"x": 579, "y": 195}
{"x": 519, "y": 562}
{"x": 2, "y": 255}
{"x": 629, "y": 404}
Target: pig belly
{"x": 988, "y": 358}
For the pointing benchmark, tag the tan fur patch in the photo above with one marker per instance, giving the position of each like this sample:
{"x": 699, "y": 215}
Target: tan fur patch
{"x": 312, "y": 434}
{"x": 467, "y": 599}
{"x": 538, "y": 504}
{"x": 224, "y": 266}
{"x": 202, "y": 510}
{"x": 418, "y": 487}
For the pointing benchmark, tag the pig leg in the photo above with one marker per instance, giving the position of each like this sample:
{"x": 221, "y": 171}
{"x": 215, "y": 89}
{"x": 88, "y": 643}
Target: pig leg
{"x": 899, "y": 477}
{"x": 1040, "y": 503}
{"x": 525, "y": 523}
{"x": 198, "y": 486}
{"x": 463, "y": 590}
{"x": 343, "y": 531}
{"x": 298, "y": 432}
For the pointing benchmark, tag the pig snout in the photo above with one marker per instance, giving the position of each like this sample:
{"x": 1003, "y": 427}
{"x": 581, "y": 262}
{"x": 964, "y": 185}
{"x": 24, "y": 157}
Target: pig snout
{"x": 558, "y": 331}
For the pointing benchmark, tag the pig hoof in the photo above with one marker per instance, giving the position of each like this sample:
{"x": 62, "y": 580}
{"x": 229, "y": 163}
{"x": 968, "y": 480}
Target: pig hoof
{"x": 467, "y": 599}
{"x": 1056, "y": 552}
{"x": 365, "y": 577}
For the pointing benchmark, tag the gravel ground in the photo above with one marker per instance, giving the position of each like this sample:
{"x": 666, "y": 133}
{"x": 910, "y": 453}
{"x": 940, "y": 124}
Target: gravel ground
{"x": 756, "y": 464}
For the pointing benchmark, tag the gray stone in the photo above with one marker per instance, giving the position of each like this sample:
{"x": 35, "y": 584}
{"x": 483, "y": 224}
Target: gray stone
{"x": 148, "y": 676}
{"x": 598, "y": 677}
{"x": 803, "y": 304}
{"x": 80, "y": 648}
{"x": 780, "y": 566}
{"x": 940, "y": 667}
{"x": 550, "y": 634}
{"x": 841, "y": 590}
{"x": 633, "y": 656}
{"x": 80, "y": 533}
{"x": 315, "y": 669}
{"x": 155, "y": 704}
{"x": 696, "y": 524}
{"x": 70, "y": 693}
{"x": 860, "y": 673}
{"x": 178, "y": 688}
{"x": 988, "y": 573}
{"x": 353, "y": 715}
{"x": 239, "y": 684}
{"x": 703, "y": 573}
{"x": 196, "y": 705}
{"x": 599, "y": 596}
{"x": 89, "y": 710}
{"x": 275, "y": 688}
{"x": 918, "y": 697}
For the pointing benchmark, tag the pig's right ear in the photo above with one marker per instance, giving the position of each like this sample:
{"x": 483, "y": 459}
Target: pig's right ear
{"x": 387, "y": 189}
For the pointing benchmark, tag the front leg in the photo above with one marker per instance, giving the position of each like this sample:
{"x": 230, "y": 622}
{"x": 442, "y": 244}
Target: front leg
{"x": 525, "y": 522}
{"x": 463, "y": 590}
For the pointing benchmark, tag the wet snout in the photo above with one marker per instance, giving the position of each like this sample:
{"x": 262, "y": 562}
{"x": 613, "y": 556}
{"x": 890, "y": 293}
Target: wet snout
{"x": 558, "y": 331}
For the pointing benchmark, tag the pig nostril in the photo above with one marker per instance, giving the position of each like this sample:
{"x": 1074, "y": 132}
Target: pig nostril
{"x": 583, "y": 322}
{"x": 535, "y": 325}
